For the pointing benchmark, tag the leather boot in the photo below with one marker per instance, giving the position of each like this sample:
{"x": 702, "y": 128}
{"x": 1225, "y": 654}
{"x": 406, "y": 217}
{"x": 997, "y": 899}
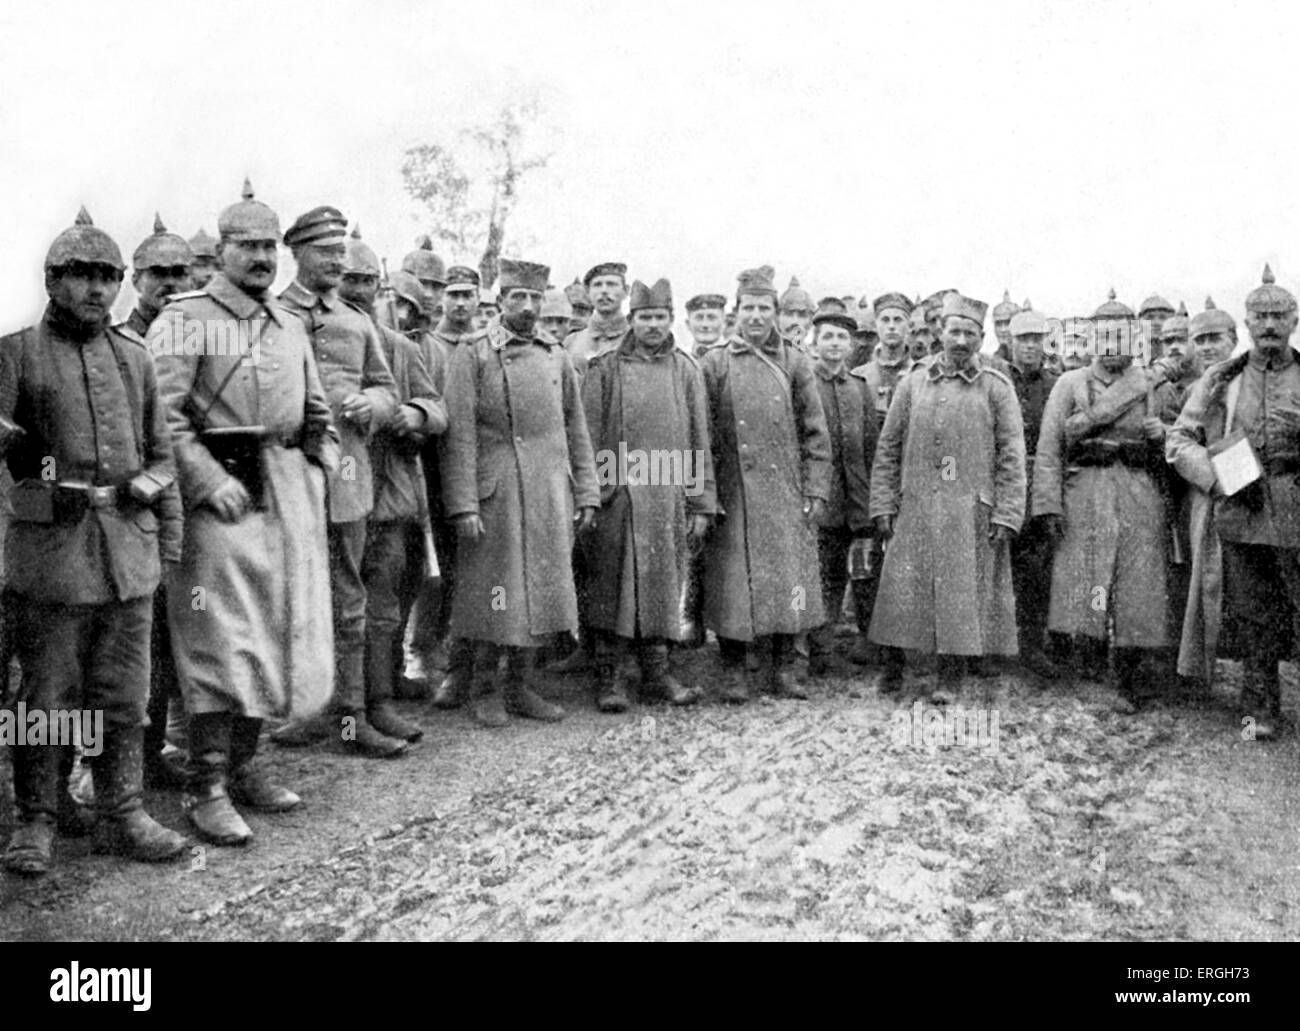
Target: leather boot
{"x": 249, "y": 785}
{"x": 521, "y": 698}
{"x": 206, "y": 801}
{"x": 948, "y": 682}
{"x": 822, "y": 658}
{"x": 894, "y": 661}
{"x": 611, "y": 674}
{"x": 735, "y": 683}
{"x": 358, "y": 736}
{"x": 657, "y": 679}
{"x": 489, "y": 697}
{"x": 36, "y": 781}
{"x": 1090, "y": 659}
{"x": 1128, "y": 695}
{"x": 580, "y": 660}
{"x": 457, "y": 685}
{"x": 781, "y": 681}
{"x": 74, "y": 820}
{"x": 122, "y": 827}
{"x": 379, "y": 689}
{"x": 1261, "y": 697}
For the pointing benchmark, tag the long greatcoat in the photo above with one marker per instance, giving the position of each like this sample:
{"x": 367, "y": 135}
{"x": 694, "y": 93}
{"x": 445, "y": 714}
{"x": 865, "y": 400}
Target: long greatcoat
{"x": 949, "y": 465}
{"x": 638, "y": 554}
{"x": 517, "y": 454}
{"x": 1112, "y": 561}
{"x": 249, "y": 602}
{"x": 771, "y": 450}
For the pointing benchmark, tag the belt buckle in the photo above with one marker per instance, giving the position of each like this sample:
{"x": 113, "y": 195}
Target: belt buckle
{"x": 101, "y": 497}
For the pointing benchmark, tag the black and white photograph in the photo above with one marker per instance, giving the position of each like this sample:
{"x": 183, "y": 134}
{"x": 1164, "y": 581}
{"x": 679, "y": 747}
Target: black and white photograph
{"x": 696, "y": 471}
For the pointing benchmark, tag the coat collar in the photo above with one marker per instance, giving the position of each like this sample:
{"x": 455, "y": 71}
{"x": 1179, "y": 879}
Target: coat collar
{"x": 774, "y": 345}
{"x": 241, "y": 304}
{"x": 298, "y": 294}
{"x": 499, "y": 336}
{"x": 940, "y": 369}
{"x": 1284, "y": 358}
{"x": 607, "y": 328}
{"x": 627, "y": 348}
{"x": 831, "y": 377}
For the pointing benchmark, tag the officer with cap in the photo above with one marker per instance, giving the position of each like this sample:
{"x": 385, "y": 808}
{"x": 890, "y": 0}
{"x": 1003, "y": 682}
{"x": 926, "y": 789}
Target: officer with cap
{"x": 163, "y": 264}
{"x": 204, "y": 248}
{"x": 704, "y": 321}
{"x": 1031, "y": 551}
{"x": 430, "y": 270}
{"x": 516, "y": 467}
{"x": 1254, "y": 401}
{"x": 86, "y": 547}
{"x": 254, "y": 441}
{"x": 394, "y": 562}
{"x": 362, "y": 396}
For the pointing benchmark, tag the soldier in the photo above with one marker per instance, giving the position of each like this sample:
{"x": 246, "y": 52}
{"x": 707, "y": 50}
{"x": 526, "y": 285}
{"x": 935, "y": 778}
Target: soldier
{"x": 606, "y": 284}
{"x": 771, "y": 455}
{"x": 933, "y": 308}
{"x": 645, "y": 398}
{"x": 1031, "y": 551}
{"x": 948, "y": 495}
{"x": 1002, "y": 315}
{"x": 517, "y": 462}
{"x": 846, "y": 525}
{"x": 1179, "y": 363}
{"x": 881, "y": 374}
{"x": 430, "y": 270}
{"x": 581, "y": 304}
{"x": 865, "y": 338}
{"x": 831, "y": 306}
{"x": 794, "y": 313}
{"x": 922, "y": 343}
{"x": 204, "y": 249}
{"x": 431, "y": 641}
{"x": 704, "y": 320}
{"x": 1098, "y": 485}
{"x": 556, "y": 315}
{"x": 1255, "y": 398}
{"x": 1213, "y": 334}
{"x": 1153, "y": 313}
{"x": 253, "y": 441}
{"x": 393, "y": 562}
{"x": 488, "y": 310}
{"x": 163, "y": 265}
{"x": 85, "y": 548}
{"x": 362, "y": 395}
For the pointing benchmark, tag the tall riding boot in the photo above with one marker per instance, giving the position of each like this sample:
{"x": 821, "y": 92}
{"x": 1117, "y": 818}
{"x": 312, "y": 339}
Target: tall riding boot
{"x": 36, "y": 783}
{"x": 1261, "y": 696}
{"x": 249, "y": 785}
{"x": 457, "y": 685}
{"x": 206, "y": 802}
{"x": 521, "y": 699}
{"x": 780, "y": 670}
{"x": 74, "y": 819}
{"x": 379, "y": 688}
{"x": 489, "y": 698}
{"x": 611, "y": 672}
{"x": 359, "y": 737}
{"x": 657, "y": 679}
{"x": 122, "y": 827}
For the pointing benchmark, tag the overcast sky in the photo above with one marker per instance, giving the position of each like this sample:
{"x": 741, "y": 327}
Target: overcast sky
{"x": 1055, "y": 149}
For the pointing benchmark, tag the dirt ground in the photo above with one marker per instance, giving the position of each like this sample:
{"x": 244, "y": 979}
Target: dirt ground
{"x": 825, "y": 819}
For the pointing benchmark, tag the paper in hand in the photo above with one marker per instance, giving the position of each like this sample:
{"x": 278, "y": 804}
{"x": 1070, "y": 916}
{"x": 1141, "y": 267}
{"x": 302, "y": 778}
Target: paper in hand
{"x": 1235, "y": 464}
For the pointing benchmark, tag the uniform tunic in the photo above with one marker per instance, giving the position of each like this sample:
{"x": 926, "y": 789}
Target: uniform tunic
{"x": 770, "y": 452}
{"x": 602, "y": 332}
{"x": 950, "y": 464}
{"x": 1112, "y": 560}
{"x": 517, "y": 454}
{"x": 249, "y": 603}
{"x": 638, "y": 553}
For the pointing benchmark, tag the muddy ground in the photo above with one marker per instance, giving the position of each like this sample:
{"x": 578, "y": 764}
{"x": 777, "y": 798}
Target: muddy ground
{"x": 822, "y": 819}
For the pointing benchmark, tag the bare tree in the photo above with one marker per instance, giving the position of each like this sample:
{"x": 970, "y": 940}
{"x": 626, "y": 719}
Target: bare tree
{"x": 471, "y": 186}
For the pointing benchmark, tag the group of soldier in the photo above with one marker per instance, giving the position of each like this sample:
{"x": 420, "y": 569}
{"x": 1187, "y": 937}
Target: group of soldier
{"x": 237, "y": 507}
